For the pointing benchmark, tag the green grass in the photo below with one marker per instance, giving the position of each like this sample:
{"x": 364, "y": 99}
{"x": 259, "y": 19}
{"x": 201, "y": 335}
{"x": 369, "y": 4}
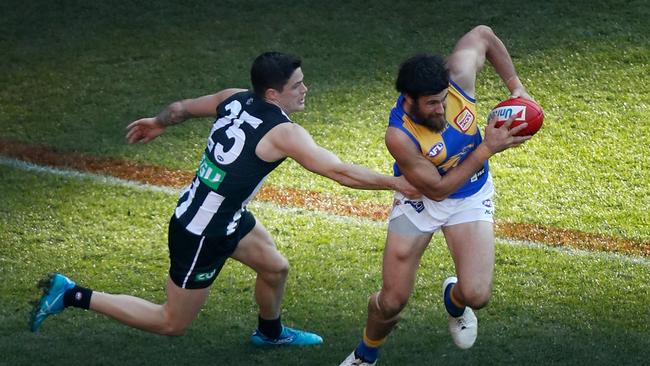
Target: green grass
{"x": 548, "y": 307}
{"x": 76, "y": 73}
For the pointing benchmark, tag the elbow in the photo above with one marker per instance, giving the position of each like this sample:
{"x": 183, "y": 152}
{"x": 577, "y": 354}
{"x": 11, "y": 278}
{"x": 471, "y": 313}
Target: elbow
{"x": 483, "y": 30}
{"x": 435, "y": 192}
{"x": 440, "y": 189}
{"x": 437, "y": 196}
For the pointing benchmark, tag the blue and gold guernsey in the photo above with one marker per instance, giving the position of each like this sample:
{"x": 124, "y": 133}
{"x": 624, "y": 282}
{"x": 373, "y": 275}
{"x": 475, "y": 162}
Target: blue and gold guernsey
{"x": 450, "y": 147}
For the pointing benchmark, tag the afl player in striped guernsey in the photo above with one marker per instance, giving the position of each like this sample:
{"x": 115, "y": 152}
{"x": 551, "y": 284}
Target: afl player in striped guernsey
{"x": 251, "y": 135}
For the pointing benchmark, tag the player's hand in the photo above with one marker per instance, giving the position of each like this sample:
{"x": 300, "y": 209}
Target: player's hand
{"x": 520, "y": 92}
{"x": 503, "y": 137}
{"x": 403, "y": 186}
{"x": 144, "y": 130}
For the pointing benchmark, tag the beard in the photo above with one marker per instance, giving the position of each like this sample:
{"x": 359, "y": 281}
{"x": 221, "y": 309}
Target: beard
{"x": 434, "y": 121}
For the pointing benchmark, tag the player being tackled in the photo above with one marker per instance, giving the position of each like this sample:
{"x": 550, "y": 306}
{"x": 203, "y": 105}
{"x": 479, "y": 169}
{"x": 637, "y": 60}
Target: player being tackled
{"x": 434, "y": 136}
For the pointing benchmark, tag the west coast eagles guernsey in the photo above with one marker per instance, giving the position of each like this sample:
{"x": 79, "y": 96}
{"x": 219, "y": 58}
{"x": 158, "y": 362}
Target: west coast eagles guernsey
{"x": 230, "y": 173}
{"x": 450, "y": 147}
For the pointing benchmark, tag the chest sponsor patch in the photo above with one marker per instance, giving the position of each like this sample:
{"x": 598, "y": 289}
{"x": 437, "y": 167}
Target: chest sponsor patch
{"x": 210, "y": 174}
{"x": 464, "y": 119}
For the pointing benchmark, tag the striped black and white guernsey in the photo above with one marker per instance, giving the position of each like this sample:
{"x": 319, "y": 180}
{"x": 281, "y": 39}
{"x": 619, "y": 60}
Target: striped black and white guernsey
{"x": 230, "y": 173}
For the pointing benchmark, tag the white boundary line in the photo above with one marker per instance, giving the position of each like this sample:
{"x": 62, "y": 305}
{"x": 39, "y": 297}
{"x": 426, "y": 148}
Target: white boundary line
{"x": 67, "y": 173}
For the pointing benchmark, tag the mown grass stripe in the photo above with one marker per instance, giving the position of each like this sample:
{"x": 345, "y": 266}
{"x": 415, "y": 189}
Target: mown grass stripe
{"x": 161, "y": 176}
{"x": 379, "y": 224}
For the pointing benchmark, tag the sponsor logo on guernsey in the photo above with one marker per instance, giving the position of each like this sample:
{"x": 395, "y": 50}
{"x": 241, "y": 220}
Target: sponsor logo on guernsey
{"x": 436, "y": 149}
{"x": 205, "y": 276}
{"x": 209, "y": 173}
{"x": 418, "y": 206}
{"x": 476, "y": 176}
{"x": 464, "y": 119}
{"x": 503, "y": 113}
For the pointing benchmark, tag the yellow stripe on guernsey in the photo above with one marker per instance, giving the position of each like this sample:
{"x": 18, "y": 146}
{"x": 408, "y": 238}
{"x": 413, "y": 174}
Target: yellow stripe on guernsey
{"x": 450, "y": 147}
{"x": 461, "y": 114}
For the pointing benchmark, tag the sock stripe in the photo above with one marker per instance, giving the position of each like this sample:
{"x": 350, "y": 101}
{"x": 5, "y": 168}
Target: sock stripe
{"x": 454, "y": 299}
{"x": 453, "y": 309}
{"x": 371, "y": 342}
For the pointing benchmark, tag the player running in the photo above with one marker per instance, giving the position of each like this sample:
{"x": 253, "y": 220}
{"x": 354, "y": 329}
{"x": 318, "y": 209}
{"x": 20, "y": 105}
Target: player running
{"x": 434, "y": 137}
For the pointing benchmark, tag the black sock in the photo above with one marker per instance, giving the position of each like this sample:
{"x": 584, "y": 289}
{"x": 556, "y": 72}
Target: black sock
{"x": 270, "y": 328}
{"x": 78, "y": 297}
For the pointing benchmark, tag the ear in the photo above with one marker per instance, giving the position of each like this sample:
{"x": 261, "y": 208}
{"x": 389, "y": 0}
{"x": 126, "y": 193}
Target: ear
{"x": 271, "y": 94}
{"x": 409, "y": 100}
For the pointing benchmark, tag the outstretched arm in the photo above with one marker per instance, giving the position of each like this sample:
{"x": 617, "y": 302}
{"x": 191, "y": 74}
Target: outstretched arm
{"x": 147, "y": 129}
{"x": 291, "y": 140}
{"x": 469, "y": 55}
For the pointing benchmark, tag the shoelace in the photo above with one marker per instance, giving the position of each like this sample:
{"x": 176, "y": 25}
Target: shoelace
{"x": 461, "y": 322}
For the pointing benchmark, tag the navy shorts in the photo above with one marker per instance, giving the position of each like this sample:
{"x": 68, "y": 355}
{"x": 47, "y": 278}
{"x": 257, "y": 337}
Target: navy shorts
{"x": 195, "y": 260}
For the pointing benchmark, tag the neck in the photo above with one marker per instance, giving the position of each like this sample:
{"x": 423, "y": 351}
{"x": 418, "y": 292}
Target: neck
{"x": 276, "y": 103}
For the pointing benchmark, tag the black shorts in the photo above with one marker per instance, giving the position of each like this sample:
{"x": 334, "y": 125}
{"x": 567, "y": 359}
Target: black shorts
{"x": 195, "y": 260}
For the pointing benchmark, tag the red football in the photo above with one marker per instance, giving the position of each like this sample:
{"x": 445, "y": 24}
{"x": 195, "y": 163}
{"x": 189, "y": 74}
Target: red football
{"x": 525, "y": 111}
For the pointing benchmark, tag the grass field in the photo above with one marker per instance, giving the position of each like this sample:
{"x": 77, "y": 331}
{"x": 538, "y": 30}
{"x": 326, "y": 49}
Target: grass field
{"x": 76, "y": 73}
{"x": 549, "y": 306}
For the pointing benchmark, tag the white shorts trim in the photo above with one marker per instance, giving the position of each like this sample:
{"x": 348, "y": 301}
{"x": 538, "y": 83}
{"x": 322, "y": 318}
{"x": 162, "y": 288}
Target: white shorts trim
{"x": 429, "y": 215}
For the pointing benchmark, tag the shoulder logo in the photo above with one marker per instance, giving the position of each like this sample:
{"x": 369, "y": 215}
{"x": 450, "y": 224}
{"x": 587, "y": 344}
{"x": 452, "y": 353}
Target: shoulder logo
{"x": 464, "y": 119}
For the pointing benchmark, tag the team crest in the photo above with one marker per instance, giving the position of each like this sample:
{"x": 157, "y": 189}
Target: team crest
{"x": 464, "y": 119}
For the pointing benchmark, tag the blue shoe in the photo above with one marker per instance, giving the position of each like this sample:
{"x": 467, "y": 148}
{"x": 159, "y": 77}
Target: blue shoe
{"x": 288, "y": 337}
{"x": 54, "y": 286}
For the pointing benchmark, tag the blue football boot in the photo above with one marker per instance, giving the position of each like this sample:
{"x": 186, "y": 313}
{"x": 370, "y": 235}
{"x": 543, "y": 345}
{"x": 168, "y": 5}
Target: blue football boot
{"x": 288, "y": 337}
{"x": 54, "y": 286}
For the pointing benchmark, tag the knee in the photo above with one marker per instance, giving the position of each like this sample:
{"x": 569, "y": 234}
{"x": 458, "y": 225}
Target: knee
{"x": 277, "y": 271}
{"x": 391, "y": 304}
{"x": 281, "y": 269}
{"x": 173, "y": 331}
{"x": 476, "y": 296}
{"x": 173, "y": 328}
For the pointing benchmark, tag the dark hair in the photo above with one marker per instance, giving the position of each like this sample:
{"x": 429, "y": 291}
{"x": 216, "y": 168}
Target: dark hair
{"x": 272, "y": 70}
{"x": 422, "y": 74}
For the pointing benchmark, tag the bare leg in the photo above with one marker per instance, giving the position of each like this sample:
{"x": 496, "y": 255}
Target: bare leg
{"x": 171, "y": 318}
{"x": 258, "y": 251}
{"x": 472, "y": 248}
{"x": 402, "y": 256}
